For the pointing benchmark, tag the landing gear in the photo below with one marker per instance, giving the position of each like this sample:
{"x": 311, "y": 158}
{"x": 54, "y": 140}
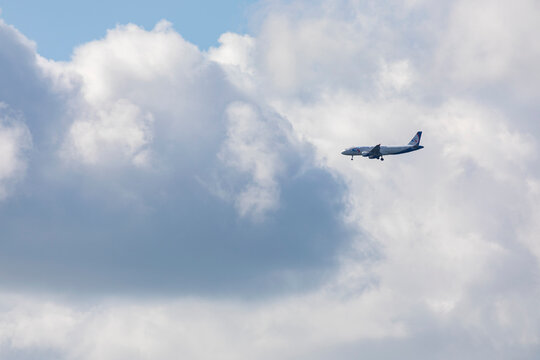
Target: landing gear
{"x": 382, "y": 159}
{"x": 352, "y": 157}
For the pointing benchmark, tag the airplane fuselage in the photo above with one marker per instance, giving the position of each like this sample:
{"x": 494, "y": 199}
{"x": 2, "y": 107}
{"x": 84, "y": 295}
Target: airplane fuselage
{"x": 385, "y": 150}
{"x": 378, "y": 151}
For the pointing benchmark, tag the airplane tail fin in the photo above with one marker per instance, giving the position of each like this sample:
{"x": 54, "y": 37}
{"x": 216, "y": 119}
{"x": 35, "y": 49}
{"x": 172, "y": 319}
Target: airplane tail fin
{"x": 416, "y": 139}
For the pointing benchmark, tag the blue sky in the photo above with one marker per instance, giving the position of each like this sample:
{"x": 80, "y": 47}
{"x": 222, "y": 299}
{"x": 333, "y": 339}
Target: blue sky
{"x": 57, "y": 26}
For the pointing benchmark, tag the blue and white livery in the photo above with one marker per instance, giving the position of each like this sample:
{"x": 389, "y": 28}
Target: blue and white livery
{"x": 377, "y": 151}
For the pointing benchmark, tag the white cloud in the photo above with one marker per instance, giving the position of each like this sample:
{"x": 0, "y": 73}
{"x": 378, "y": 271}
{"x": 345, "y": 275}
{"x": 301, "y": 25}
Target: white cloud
{"x": 134, "y": 85}
{"x": 446, "y": 218}
{"x": 445, "y": 248}
{"x": 396, "y": 76}
{"x": 235, "y": 54}
{"x": 307, "y": 53}
{"x": 195, "y": 328}
{"x": 15, "y": 141}
{"x": 492, "y": 45}
{"x": 253, "y": 146}
{"x": 130, "y": 55}
{"x": 119, "y": 132}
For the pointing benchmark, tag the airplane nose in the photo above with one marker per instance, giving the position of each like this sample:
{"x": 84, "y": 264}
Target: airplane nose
{"x": 343, "y": 152}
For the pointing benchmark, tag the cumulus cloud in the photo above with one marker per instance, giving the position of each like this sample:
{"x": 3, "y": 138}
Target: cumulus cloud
{"x": 396, "y": 76}
{"x": 492, "y": 45}
{"x": 235, "y": 55}
{"x": 134, "y": 85}
{"x": 15, "y": 141}
{"x": 147, "y": 131}
{"x": 427, "y": 255}
{"x": 120, "y": 131}
{"x": 130, "y": 54}
{"x": 256, "y": 146}
{"x": 119, "y": 330}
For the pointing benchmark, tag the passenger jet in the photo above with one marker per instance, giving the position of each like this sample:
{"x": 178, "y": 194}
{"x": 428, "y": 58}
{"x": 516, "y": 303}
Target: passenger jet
{"x": 377, "y": 151}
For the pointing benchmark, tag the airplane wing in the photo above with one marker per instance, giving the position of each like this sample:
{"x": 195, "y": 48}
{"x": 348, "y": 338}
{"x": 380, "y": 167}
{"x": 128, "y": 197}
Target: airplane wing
{"x": 375, "y": 151}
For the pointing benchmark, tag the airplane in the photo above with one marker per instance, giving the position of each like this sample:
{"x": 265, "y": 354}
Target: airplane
{"x": 377, "y": 151}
